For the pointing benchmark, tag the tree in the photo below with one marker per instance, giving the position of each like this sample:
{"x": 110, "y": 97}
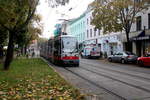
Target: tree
{"x": 3, "y": 40}
{"x": 15, "y": 17}
{"x": 3, "y": 37}
{"x": 41, "y": 40}
{"x": 31, "y": 32}
{"x": 117, "y": 15}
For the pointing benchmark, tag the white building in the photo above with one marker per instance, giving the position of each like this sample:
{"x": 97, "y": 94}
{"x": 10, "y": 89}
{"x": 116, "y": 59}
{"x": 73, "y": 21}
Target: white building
{"x": 111, "y": 43}
{"x": 91, "y": 32}
{"x": 108, "y": 43}
{"x": 140, "y": 34}
{"x": 33, "y": 49}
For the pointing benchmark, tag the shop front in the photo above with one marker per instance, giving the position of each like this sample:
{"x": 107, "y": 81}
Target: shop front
{"x": 141, "y": 45}
{"x": 110, "y": 44}
{"x": 90, "y": 42}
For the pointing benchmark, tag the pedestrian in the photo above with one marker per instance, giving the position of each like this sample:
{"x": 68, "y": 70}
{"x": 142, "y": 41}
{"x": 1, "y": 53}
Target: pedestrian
{"x": 33, "y": 54}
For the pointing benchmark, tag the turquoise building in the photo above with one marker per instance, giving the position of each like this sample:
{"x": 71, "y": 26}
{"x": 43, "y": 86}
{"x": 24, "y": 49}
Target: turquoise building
{"x": 57, "y": 30}
{"x": 77, "y": 28}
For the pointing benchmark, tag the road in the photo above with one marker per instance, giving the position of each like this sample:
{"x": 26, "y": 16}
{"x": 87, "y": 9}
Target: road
{"x": 102, "y": 80}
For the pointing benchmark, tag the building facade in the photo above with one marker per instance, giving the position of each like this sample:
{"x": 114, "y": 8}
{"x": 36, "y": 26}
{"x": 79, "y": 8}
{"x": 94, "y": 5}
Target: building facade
{"x": 111, "y": 43}
{"x": 92, "y": 33}
{"x": 108, "y": 43}
{"x": 140, "y": 34}
{"x": 76, "y": 27}
{"x": 87, "y": 34}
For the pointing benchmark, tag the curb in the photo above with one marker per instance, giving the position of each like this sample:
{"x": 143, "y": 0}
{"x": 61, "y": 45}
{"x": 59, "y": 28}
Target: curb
{"x": 50, "y": 65}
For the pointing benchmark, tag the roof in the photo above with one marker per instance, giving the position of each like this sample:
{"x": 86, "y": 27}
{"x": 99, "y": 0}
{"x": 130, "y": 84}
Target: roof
{"x": 67, "y": 36}
{"x": 76, "y": 19}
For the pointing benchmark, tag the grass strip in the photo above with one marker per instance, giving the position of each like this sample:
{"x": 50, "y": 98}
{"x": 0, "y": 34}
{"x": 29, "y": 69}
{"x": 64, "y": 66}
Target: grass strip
{"x": 33, "y": 79}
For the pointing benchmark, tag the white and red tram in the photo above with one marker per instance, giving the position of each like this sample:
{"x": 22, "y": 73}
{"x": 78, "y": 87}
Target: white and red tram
{"x": 61, "y": 49}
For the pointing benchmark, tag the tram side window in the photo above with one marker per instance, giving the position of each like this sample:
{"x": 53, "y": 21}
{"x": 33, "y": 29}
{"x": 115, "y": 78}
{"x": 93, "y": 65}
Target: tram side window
{"x": 50, "y": 48}
{"x": 56, "y": 47}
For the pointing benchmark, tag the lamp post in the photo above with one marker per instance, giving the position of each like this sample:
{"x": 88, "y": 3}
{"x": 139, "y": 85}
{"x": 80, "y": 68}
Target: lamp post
{"x": 144, "y": 45}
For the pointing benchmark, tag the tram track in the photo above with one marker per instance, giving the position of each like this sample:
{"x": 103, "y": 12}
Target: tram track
{"x": 94, "y": 83}
{"x": 109, "y": 77}
{"x": 91, "y": 82}
{"x": 120, "y": 72}
{"x": 118, "y": 65}
{"x": 97, "y": 85}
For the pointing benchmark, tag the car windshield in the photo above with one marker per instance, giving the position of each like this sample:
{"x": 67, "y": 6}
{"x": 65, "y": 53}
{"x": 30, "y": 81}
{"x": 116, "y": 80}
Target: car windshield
{"x": 129, "y": 53}
{"x": 69, "y": 44}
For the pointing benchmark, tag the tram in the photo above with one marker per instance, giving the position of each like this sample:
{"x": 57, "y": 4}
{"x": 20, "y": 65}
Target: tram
{"x": 62, "y": 49}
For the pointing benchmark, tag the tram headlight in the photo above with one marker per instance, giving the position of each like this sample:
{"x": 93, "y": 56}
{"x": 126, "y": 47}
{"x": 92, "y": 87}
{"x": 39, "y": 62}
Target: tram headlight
{"x": 64, "y": 55}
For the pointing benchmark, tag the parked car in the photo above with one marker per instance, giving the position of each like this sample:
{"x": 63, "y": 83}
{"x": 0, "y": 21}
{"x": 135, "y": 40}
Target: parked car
{"x": 145, "y": 60}
{"x": 123, "y": 57}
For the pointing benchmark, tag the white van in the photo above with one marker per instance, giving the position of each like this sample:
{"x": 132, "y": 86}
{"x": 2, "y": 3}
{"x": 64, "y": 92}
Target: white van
{"x": 91, "y": 52}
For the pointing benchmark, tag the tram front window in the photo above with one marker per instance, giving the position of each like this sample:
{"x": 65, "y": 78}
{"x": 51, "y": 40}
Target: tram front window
{"x": 69, "y": 44}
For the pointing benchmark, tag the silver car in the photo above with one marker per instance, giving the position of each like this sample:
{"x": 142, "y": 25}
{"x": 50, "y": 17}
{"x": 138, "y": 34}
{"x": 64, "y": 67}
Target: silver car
{"x": 123, "y": 57}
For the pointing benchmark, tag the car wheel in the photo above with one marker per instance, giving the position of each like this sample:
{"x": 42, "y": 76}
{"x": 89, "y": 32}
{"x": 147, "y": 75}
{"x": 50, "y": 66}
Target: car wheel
{"x": 122, "y": 61}
{"x": 109, "y": 59}
{"x": 140, "y": 63}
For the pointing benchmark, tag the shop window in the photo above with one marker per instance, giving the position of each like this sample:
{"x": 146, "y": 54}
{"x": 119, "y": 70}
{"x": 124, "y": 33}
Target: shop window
{"x": 148, "y": 21}
{"x": 138, "y": 23}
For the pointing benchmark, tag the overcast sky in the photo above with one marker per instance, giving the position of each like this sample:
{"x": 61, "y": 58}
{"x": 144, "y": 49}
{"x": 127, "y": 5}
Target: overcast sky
{"x": 51, "y": 16}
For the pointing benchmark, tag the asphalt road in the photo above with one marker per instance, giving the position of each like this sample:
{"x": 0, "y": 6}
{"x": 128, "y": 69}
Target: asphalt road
{"x": 102, "y": 80}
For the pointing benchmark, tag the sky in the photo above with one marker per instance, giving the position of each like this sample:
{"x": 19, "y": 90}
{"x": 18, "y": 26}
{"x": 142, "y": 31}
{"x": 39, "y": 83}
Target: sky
{"x": 51, "y": 16}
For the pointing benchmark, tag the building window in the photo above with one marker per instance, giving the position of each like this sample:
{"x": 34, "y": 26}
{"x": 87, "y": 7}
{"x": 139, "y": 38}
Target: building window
{"x": 94, "y": 32}
{"x": 87, "y": 21}
{"x": 90, "y": 20}
{"x": 148, "y": 21}
{"x": 138, "y": 23}
{"x": 87, "y": 33}
{"x": 90, "y": 32}
{"x": 83, "y": 23}
{"x": 99, "y": 32}
{"x": 79, "y": 37}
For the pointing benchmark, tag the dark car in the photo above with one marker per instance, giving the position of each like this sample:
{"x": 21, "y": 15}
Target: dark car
{"x": 123, "y": 57}
{"x": 145, "y": 60}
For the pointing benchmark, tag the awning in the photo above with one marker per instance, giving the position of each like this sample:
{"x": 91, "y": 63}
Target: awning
{"x": 141, "y": 36}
